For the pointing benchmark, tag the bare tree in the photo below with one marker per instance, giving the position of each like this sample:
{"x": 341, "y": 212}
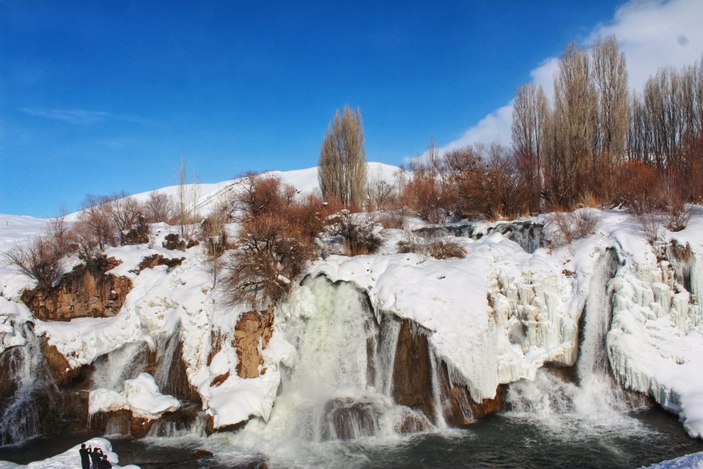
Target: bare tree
{"x": 528, "y": 130}
{"x": 187, "y": 198}
{"x": 158, "y": 207}
{"x": 60, "y": 233}
{"x": 342, "y": 166}
{"x": 573, "y": 126}
{"x": 97, "y": 220}
{"x": 40, "y": 259}
{"x": 126, "y": 214}
{"x": 610, "y": 77}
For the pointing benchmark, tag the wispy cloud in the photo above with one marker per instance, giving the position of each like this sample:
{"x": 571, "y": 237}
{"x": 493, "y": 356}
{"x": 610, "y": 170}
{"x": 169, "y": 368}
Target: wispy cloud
{"x": 79, "y": 116}
{"x": 651, "y": 33}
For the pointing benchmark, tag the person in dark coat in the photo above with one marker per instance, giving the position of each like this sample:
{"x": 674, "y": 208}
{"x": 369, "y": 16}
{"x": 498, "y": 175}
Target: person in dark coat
{"x": 85, "y": 457}
{"x": 96, "y": 456}
{"x": 105, "y": 464}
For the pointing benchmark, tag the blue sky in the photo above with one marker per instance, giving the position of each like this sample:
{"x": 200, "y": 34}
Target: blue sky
{"x": 100, "y": 97}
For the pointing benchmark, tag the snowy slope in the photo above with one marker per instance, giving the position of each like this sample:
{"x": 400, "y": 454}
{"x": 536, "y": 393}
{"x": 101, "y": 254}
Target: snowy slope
{"x": 494, "y": 317}
{"x": 207, "y": 195}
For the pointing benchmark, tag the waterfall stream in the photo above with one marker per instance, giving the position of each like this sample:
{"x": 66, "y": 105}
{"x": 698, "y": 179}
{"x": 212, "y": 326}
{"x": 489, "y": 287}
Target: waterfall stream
{"x": 340, "y": 388}
{"x": 29, "y": 410}
{"x": 592, "y": 399}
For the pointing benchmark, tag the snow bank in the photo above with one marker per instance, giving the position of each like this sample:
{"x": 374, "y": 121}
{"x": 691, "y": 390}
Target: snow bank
{"x": 82, "y": 340}
{"x": 70, "y": 459}
{"x": 690, "y": 461}
{"x": 141, "y": 396}
{"x": 238, "y": 399}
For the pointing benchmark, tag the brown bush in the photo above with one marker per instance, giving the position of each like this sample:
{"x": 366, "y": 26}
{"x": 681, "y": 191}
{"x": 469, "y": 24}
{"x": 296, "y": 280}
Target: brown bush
{"x": 413, "y": 247}
{"x": 359, "y": 233}
{"x": 441, "y": 249}
{"x": 272, "y": 253}
{"x": 572, "y": 226}
{"x": 638, "y": 185}
{"x": 158, "y": 208}
{"x": 446, "y": 250}
{"x": 40, "y": 259}
{"x": 274, "y": 243}
{"x": 392, "y": 220}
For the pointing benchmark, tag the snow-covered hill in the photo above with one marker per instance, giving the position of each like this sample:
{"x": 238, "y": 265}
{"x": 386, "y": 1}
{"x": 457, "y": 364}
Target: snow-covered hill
{"x": 208, "y": 195}
{"x": 610, "y": 302}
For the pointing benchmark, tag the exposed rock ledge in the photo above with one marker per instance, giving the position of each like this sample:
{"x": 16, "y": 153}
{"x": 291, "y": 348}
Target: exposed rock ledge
{"x": 86, "y": 291}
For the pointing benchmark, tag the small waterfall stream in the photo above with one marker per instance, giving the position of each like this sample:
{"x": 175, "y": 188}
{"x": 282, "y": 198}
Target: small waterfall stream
{"x": 592, "y": 399}
{"x": 29, "y": 410}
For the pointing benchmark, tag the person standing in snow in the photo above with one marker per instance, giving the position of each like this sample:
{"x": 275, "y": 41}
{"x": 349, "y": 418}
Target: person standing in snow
{"x": 95, "y": 457}
{"x": 85, "y": 457}
{"x": 105, "y": 464}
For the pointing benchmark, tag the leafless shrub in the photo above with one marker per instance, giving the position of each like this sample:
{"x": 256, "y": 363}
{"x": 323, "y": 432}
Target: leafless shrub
{"x": 214, "y": 235}
{"x": 678, "y": 217}
{"x": 96, "y": 220}
{"x": 440, "y": 249}
{"x": 40, "y": 259}
{"x": 572, "y": 226}
{"x": 406, "y": 246}
{"x": 392, "y": 220}
{"x": 652, "y": 225}
{"x": 127, "y": 217}
{"x": 61, "y": 234}
{"x": 359, "y": 233}
{"x": 158, "y": 208}
{"x": 271, "y": 254}
{"x": 274, "y": 243}
{"x": 446, "y": 250}
{"x": 381, "y": 194}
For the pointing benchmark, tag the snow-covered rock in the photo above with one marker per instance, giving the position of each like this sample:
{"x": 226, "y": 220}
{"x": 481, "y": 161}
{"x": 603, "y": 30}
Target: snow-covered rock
{"x": 141, "y": 396}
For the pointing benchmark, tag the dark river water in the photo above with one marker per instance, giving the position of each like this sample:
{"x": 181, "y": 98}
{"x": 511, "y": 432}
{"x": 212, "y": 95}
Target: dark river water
{"x": 503, "y": 441}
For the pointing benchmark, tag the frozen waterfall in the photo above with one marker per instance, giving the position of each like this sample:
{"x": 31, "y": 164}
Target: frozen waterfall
{"x": 585, "y": 396}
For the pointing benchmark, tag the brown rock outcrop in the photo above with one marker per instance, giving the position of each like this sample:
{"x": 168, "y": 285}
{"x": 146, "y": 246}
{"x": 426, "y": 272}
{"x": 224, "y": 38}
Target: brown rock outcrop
{"x": 413, "y": 383}
{"x": 251, "y": 328}
{"x": 86, "y": 291}
{"x": 348, "y": 419}
{"x": 122, "y": 422}
{"x": 150, "y": 262}
{"x": 412, "y": 371}
{"x": 60, "y": 369}
{"x": 174, "y": 242}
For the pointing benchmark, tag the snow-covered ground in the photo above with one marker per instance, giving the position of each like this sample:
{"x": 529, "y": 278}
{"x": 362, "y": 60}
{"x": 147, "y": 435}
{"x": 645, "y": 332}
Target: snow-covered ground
{"x": 494, "y": 317}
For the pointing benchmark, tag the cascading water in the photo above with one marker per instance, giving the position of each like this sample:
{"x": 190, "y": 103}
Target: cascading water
{"x": 339, "y": 389}
{"x": 112, "y": 369}
{"x": 29, "y": 409}
{"x": 593, "y": 400}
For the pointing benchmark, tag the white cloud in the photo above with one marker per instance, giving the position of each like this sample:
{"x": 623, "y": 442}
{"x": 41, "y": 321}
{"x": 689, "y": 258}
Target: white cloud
{"x": 495, "y": 127}
{"x": 79, "y": 116}
{"x": 72, "y": 116}
{"x": 652, "y": 34}
{"x": 656, "y": 34}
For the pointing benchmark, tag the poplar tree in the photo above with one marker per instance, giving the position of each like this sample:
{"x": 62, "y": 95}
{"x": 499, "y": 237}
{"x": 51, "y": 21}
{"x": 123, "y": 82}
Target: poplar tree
{"x": 342, "y": 166}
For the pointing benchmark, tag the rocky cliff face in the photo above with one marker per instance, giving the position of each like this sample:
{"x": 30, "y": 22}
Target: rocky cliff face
{"x": 251, "y": 335}
{"x": 86, "y": 291}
